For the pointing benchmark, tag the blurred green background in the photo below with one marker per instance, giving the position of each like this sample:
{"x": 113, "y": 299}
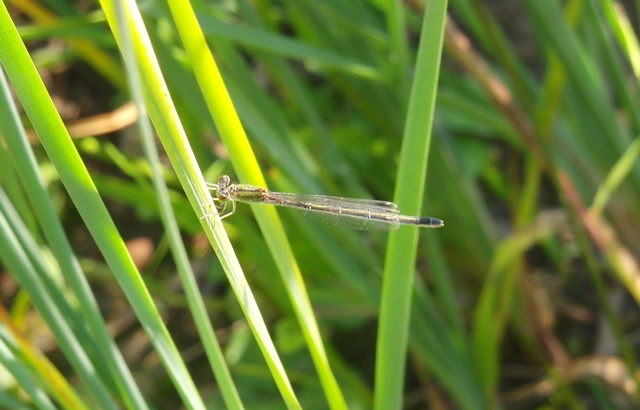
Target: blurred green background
{"x": 527, "y": 298}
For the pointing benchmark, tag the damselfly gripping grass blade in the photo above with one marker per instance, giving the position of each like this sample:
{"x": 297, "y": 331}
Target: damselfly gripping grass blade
{"x": 364, "y": 214}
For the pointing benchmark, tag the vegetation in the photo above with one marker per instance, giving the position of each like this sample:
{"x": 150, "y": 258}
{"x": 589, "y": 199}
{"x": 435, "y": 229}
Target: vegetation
{"x": 117, "y": 268}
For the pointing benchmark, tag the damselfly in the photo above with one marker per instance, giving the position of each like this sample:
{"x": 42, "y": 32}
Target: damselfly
{"x": 364, "y": 214}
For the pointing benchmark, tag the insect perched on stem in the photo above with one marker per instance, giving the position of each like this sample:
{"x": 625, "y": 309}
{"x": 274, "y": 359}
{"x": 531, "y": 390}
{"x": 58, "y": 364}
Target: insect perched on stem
{"x": 363, "y": 214}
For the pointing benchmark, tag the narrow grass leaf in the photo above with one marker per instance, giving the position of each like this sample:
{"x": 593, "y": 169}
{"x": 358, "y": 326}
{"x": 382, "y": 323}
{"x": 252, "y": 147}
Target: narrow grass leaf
{"x": 395, "y": 305}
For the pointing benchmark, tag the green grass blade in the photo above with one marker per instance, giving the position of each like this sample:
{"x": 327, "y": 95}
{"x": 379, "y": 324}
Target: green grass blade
{"x": 616, "y": 176}
{"x": 399, "y": 266}
{"x": 187, "y": 276}
{"x": 24, "y": 159}
{"x": 25, "y": 273}
{"x": 22, "y": 376}
{"x": 164, "y": 117}
{"x": 231, "y": 131}
{"x": 74, "y": 175}
{"x": 496, "y": 300}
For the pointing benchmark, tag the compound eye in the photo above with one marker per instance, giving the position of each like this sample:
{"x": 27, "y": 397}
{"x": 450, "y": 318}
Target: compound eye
{"x": 223, "y": 194}
{"x": 224, "y": 180}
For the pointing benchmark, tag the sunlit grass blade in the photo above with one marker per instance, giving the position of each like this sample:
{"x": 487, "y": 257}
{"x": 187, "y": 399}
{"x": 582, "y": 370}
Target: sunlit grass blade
{"x": 31, "y": 277}
{"x": 35, "y": 370}
{"x": 24, "y": 159}
{"x": 232, "y": 133}
{"x": 73, "y": 173}
{"x": 23, "y": 378}
{"x": 187, "y": 276}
